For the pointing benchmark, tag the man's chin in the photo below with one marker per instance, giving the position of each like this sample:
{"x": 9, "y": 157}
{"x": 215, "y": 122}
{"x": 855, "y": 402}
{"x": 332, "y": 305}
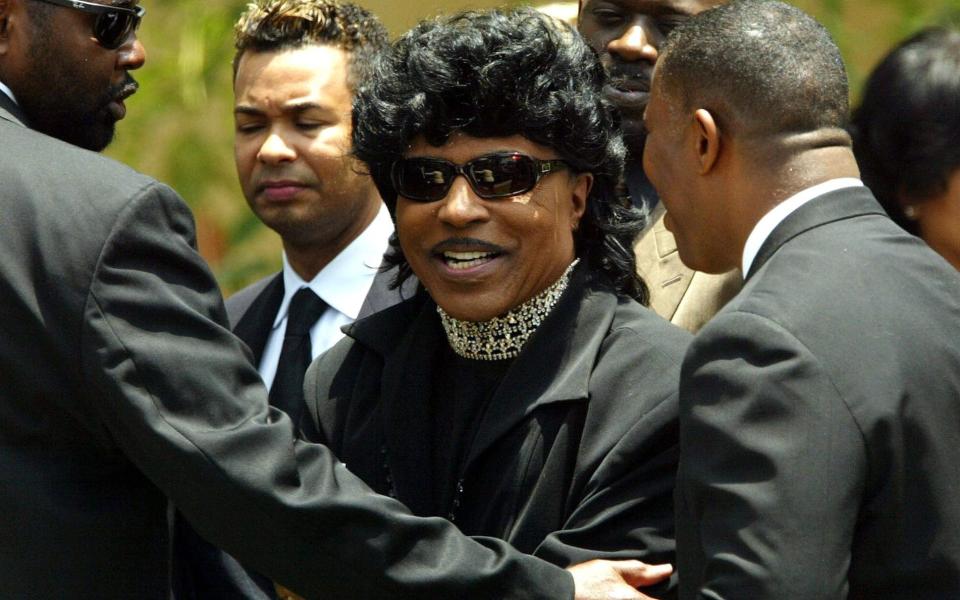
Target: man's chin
{"x": 631, "y": 123}
{"x": 94, "y": 137}
{"x": 99, "y": 134}
{"x": 99, "y": 140}
{"x": 634, "y": 136}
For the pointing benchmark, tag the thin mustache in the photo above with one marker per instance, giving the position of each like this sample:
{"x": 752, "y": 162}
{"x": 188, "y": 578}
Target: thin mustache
{"x": 126, "y": 88}
{"x": 464, "y": 243}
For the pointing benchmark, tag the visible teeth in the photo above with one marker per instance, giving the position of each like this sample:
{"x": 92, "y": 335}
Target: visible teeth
{"x": 467, "y": 264}
{"x": 465, "y": 255}
{"x": 466, "y": 260}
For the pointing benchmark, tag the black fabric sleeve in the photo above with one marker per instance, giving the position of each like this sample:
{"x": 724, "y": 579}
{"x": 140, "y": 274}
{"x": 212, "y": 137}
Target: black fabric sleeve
{"x": 772, "y": 467}
{"x": 181, "y": 400}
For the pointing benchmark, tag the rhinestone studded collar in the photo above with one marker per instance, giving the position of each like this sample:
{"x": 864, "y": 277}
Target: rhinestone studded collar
{"x": 502, "y": 337}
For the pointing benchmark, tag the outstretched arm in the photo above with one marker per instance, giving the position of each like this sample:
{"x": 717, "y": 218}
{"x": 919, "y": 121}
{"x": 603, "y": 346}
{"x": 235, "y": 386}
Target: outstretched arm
{"x": 172, "y": 386}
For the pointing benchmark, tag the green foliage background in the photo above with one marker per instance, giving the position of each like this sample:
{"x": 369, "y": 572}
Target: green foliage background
{"x": 179, "y": 127}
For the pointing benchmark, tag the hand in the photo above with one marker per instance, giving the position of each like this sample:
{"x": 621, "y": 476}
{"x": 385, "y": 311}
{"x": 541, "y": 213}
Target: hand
{"x": 615, "y": 580}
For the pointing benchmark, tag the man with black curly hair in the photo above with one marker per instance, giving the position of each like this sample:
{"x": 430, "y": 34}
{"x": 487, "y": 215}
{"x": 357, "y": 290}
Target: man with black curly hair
{"x": 524, "y": 392}
{"x": 122, "y": 387}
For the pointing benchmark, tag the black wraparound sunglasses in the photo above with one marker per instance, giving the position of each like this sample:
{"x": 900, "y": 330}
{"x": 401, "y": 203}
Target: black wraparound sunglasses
{"x": 497, "y": 175}
{"x": 113, "y": 25}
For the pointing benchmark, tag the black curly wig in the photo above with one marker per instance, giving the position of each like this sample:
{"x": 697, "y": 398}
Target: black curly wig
{"x": 497, "y": 74}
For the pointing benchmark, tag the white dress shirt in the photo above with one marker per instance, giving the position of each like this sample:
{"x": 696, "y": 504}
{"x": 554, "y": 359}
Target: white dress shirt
{"x": 343, "y": 284}
{"x": 766, "y": 225}
{"x": 8, "y": 92}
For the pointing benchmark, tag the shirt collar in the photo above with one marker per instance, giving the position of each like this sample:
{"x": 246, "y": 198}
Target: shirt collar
{"x": 345, "y": 282}
{"x": 8, "y": 92}
{"x": 766, "y": 225}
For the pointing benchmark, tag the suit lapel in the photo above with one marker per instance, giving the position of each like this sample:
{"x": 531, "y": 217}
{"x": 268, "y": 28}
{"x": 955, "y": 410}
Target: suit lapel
{"x": 406, "y": 391}
{"x": 381, "y": 296}
{"x": 10, "y": 111}
{"x": 255, "y": 324}
{"x": 567, "y": 343}
{"x": 833, "y": 206}
{"x": 659, "y": 264}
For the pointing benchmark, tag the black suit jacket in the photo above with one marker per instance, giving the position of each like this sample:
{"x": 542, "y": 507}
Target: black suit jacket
{"x": 820, "y": 419}
{"x": 253, "y": 309}
{"x": 121, "y": 384}
{"x": 203, "y": 571}
{"x": 575, "y": 456}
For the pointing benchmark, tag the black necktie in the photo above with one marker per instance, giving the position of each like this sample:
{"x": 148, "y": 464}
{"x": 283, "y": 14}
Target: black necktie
{"x": 286, "y": 393}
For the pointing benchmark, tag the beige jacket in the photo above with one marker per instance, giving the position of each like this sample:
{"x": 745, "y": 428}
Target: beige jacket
{"x": 685, "y": 297}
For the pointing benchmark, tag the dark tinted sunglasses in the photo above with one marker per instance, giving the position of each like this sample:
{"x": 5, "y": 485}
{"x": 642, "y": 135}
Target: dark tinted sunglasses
{"x": 113, "y": 25}
{"x": 497, "y": 175}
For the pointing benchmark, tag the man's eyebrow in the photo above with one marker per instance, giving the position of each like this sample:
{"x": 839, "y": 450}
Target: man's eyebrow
{"x": 247, "y": 110}
{"x": 672, "y": 9}
{"x": 293, "y": 107}
{"x": 305, "y": 105}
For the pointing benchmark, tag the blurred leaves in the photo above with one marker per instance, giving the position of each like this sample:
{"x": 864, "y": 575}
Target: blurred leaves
{"x": 179, "y": 127}
{"x": 866, "y": 30}
{"x": 180, "y": 130}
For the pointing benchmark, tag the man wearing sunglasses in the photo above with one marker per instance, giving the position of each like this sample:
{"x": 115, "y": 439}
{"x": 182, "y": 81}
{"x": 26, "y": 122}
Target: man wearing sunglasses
{"x": 65, "y": 37}
{"x": 121, "y": 385}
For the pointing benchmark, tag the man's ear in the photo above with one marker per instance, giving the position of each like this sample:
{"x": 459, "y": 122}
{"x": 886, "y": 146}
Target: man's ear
{"x": 707, "y": 136}
{"x": 5, "y": 9}
{"x": 581, "y": 191}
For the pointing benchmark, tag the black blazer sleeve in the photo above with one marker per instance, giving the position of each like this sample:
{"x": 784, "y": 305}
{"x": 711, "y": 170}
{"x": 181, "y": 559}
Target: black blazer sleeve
{"x": 175, "y": 392}
{"x": 624, "y": 507}
{"x": 771, "y": 471}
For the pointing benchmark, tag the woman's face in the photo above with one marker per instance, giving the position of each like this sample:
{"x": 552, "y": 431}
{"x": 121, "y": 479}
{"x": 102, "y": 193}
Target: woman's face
{"x": 478, "y": 257}
{"x": 938, "y": 219}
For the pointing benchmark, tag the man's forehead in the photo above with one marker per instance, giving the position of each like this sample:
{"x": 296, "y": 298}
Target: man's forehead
{"x": 690, "y": 7}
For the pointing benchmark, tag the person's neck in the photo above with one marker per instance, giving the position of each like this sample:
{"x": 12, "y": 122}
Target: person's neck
{"x": 791, "y": 175}
{"x": 761, "y": 186}
{"x": 811, "y": 168}
{"x": 948, "y": 252}
{"x": 308, "y": 259}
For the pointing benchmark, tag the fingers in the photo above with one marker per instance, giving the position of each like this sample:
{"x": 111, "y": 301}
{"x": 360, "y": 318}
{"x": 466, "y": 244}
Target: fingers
{"x": 639, "y": 574}
{"x": 615, "y": 580}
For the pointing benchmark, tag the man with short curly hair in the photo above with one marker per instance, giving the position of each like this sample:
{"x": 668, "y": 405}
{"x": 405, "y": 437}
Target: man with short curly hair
{"x": 297, "y": 66}
{"x": 818, "y": 409}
